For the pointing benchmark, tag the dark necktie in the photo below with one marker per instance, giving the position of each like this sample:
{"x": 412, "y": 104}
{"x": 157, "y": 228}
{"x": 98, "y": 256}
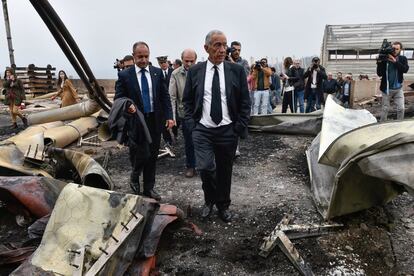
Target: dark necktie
{"x": 216, "y": 113}
{"x": 165, "y": 74}
{"x": 145, "y": 92}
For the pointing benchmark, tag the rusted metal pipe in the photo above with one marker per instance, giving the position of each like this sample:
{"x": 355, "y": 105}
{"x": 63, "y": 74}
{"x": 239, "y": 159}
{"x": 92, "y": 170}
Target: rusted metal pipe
{"x": 70, "y": 112}
{"x": 91, "y": 172}
{"x": 71, "y": 50}
{"x": 8, "y": 32}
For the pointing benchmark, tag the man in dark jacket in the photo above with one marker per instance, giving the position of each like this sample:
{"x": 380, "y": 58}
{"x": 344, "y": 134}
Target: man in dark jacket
{"x": 330, "y": 86}
{"x": 298, "y": 83}
{"x": 391, "y": 70}
{"x": 313, "y": 89}
{"x": 145, "y": 86}
{"x": 217, "y": 105}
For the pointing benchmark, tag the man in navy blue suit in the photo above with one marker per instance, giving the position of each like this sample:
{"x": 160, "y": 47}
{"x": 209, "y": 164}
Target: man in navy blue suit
{"x": 145, "y": 86}
{"x": 217, "y": 109}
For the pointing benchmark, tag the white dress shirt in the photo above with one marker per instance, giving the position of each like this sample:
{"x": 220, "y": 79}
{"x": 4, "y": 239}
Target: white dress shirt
{"x": 148, "y": 75}
{"x": 208, "y": 83}
{"x": 314, "y": 80}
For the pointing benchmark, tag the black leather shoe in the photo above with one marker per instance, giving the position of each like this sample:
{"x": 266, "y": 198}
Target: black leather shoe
{"x": 206, "y": 210}
{"x": 152, "y": 194}
{"x": 225, "y": 215}
{"x": 135, "y": 188}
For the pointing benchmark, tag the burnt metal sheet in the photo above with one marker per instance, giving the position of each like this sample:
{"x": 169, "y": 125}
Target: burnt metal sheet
{"x": 86, "y": 217}
{"x": 363, "y": 137}
{"x": 296, "y": 123}
{"x": 362, "y": 167}
{"x": 30, "y": 195}
{"x": 338, "y": 120}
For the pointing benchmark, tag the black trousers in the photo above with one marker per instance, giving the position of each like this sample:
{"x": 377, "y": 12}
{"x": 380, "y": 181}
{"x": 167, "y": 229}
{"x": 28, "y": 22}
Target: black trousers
{"x": 288, "y": 101}
{"x": 140, "y": 161}
{"x": 214, "y": 151}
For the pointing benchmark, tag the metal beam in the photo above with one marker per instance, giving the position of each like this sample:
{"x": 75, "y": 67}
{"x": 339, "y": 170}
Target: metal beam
{"x": 8, "y": 32}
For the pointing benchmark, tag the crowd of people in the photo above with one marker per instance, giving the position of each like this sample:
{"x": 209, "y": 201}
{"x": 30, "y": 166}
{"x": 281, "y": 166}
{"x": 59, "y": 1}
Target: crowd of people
{"x": 211, "y": 102}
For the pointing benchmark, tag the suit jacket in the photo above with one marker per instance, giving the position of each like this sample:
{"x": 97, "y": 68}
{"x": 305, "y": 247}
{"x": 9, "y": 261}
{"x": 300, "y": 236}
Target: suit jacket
{"x": 238, "y": 99}
{"x": 127, "y": 86}
{"x": 320, "y": 77}
{"x": 176, "y": 89}
{"x": 169, "y": 72}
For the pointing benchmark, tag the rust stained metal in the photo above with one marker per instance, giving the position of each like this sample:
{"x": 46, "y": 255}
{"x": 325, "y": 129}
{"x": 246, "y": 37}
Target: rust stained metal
{"x": 30, "y": 195}
{"x": 15, "y": 255}
{"x": 115, "y": 244}
{"x": 83, "y": 217}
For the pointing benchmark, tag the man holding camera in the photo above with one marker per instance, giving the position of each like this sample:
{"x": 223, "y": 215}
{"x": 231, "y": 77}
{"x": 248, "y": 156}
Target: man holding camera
{"x": 235, "y": 49}
{"x": 313, "y": 89}
{"x": 261, "y": 78}
{"x": 391, "y": 70}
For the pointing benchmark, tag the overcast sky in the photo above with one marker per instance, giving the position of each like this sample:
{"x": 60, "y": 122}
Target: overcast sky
{"x": 106, "y": 30}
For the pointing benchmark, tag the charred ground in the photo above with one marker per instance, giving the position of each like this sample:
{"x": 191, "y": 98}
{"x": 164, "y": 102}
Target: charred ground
{"x": 270, "y": 179}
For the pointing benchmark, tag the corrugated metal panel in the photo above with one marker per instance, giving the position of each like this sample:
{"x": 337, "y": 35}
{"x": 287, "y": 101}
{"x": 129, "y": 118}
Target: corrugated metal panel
{"x": 362, "y": 67}
{"x": 368, "y": 36}
{"x": 364, "y": 36}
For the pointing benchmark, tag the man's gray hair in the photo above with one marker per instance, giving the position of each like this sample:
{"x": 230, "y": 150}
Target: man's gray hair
{"x": 210, "y": 34}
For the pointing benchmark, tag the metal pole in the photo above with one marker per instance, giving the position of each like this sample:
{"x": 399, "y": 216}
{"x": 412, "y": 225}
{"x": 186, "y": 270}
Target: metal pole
{"x": 8, "y": 33}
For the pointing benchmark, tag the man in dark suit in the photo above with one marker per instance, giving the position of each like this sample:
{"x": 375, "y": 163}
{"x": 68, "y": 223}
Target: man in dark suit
{"x": 217, "y": 109}
{"x": 144, "y": 84}
{"x": 166, "y": 72}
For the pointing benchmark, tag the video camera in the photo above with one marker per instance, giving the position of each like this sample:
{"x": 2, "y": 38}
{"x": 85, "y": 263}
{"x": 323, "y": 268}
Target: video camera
{"x": 229, "y": 50}
{"x": 258, "y": 64}
{"x": 385, "y": 50}
{"x": 119, "y": 64}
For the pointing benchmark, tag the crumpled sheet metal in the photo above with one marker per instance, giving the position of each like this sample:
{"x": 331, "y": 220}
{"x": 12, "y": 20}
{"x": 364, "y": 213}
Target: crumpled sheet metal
{"x": 363, "y": 137}
{"x": 296, "y": 123}
{"x": 13, "y": 149}
{"x": 337, "y": 192}
{"x": 12, "y": 162}
{"x": 363, "y": 167}
{"x": 144, "y": 261}
{"x": 15, "y": 255}
{"x": 30, "y": 195}
{"x": 87, "y": 217}
{"x": 91, "y": 172}
{"x": 338, "y": 120}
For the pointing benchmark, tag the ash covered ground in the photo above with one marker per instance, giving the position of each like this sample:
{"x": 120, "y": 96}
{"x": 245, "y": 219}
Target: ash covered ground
{"x": 270, "y": 179}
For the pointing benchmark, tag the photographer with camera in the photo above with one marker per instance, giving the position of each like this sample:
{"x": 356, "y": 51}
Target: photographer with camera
{"x": 128, "y": 61}
{"x": 234, "y": 56}
{"x": 390, "y": 67}
{"x": 313, "y": 89}
{"x": 261, "y": 78}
